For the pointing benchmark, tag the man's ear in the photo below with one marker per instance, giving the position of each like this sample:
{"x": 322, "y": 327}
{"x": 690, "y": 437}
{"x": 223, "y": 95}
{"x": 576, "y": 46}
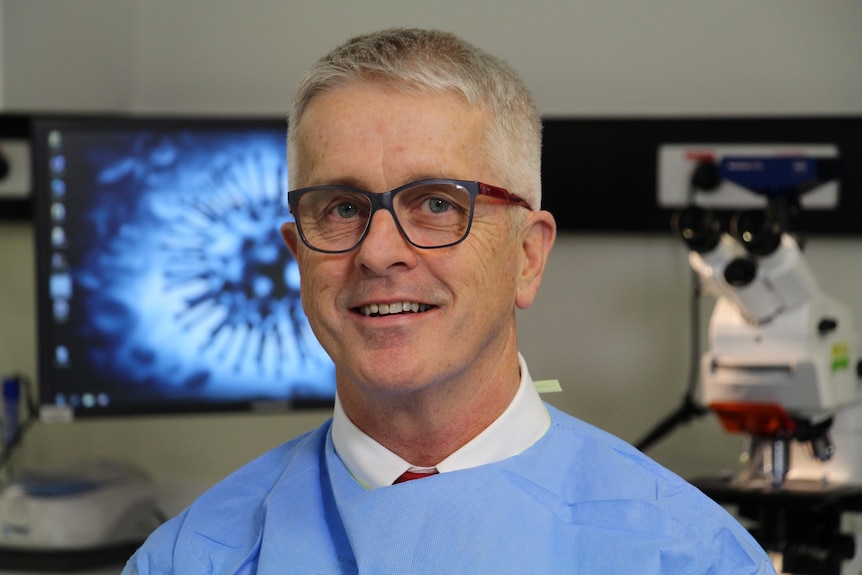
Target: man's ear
{"x": 291, "y": 238}
{"x": 540, "y": 231}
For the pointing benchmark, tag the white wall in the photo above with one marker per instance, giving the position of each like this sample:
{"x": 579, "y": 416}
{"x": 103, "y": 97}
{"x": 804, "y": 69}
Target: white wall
{"x": 74, "y": 55}
{"x": 612, "y": 319}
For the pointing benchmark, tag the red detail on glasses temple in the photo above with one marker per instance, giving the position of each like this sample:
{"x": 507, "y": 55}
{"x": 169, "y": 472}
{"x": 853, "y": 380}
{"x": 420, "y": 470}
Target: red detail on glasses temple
{"x": 502, "y": 194}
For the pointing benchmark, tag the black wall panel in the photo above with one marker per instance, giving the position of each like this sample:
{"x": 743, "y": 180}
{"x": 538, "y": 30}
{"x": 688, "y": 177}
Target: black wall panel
{"x": 599, "y": 174}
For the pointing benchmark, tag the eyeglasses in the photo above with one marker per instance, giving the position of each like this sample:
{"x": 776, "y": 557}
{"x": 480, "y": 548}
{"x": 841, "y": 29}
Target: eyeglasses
{"x": 430, "y": 214}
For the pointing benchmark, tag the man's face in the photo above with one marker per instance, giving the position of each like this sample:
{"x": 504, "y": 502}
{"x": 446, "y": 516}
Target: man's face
{"x": 370, "y": 137}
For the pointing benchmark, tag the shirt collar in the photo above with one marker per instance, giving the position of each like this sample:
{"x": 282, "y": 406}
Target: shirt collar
{"x": 522, "y": 423}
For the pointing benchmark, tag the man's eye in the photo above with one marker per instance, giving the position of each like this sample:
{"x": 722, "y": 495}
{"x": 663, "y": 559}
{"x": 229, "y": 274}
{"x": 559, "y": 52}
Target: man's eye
{"x": 438, "y": 205}
{"x": 346, "y": 210}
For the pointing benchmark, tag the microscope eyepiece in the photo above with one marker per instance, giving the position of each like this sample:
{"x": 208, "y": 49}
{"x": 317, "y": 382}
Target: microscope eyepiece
{"x": 698, "y": 228}
{"x": 757, "y": 232}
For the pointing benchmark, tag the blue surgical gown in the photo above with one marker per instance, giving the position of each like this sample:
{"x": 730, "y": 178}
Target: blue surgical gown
{"x": 579, "y": 501}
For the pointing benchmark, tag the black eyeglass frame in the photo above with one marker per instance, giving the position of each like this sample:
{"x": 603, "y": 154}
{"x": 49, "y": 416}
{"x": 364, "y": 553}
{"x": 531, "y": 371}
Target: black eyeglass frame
{"x": 384, "y": 200}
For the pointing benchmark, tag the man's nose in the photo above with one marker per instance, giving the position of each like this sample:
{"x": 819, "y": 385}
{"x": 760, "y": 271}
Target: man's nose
{"x": 384, "y": 244}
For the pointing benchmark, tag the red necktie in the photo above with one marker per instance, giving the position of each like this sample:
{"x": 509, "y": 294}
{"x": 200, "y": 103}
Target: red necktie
{"x": 411, "y": 475}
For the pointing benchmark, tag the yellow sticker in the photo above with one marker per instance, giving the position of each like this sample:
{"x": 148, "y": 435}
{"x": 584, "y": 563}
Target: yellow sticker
{"x": 840, "y": 356}
{"x": 548, "y": 386}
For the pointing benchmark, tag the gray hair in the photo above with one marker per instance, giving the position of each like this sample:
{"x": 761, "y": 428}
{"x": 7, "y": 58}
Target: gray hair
{"x": 433, "y": 62}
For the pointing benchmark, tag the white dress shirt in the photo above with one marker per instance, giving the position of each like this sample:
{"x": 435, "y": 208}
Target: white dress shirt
{"x": 522, "y": 423}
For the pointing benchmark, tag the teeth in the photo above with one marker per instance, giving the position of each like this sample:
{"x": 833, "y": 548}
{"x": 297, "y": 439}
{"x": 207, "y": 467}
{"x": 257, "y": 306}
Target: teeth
{"x": 393, "y": 308}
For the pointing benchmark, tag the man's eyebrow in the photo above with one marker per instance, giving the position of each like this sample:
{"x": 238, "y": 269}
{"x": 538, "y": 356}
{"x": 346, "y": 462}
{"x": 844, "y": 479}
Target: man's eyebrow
{"x": 346, "y": 181}
{"x": 354, "y": 182}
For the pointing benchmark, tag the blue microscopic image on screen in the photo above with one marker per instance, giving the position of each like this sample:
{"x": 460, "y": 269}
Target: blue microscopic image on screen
{"x": 182, "y": 288}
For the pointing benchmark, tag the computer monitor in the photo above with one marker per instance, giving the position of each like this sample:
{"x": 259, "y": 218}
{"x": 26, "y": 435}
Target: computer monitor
{"x": 163, "y": 284}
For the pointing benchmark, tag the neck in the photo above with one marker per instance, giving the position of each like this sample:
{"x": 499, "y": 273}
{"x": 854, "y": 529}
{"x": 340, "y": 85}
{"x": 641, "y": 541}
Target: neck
{"x": 425, "y": 426}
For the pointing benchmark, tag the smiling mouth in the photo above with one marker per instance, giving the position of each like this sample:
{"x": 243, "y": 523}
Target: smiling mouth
{"x": 380, "y": 309}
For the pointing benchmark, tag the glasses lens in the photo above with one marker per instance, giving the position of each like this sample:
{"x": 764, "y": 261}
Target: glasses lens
{"x": 434, "y": 215}
{"x": 333, "y": 220}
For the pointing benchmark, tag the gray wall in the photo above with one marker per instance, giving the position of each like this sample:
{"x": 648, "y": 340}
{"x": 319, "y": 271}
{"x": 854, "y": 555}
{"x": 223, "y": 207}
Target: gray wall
{"x": 612, "y": 319}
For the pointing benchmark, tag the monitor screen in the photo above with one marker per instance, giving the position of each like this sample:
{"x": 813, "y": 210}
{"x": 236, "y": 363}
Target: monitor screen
{"x": 163, "y": 284}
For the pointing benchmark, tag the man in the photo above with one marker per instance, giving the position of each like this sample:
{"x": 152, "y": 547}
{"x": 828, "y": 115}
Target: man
{"x": 415, "y": 168}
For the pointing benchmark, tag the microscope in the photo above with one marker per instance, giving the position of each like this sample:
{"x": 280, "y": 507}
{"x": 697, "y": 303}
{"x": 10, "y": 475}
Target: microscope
{"x": 782, "y": 367}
